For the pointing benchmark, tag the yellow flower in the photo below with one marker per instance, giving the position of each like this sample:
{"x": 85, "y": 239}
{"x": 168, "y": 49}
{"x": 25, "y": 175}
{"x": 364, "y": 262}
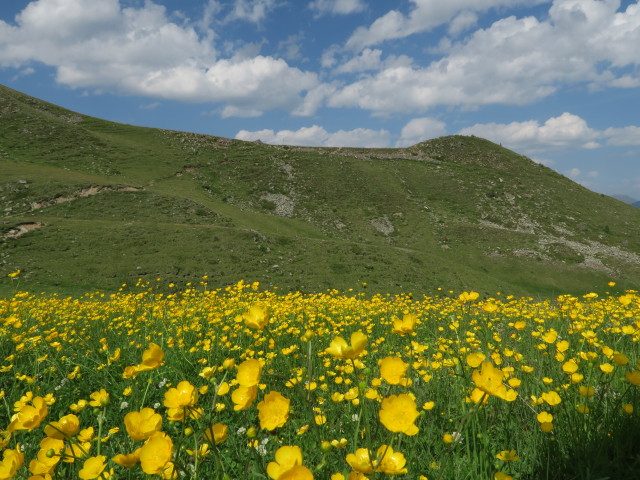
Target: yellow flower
{"x": 475, "y": 359}
{"x": 273, "y": 411}
{"x": 341, "y": 349}
{"x": 257, "y": 317}
{"x": 12, "y": 460}
{"x": 129, "y": 460}
{"x": 468, "y": 297}
{"x": 99, "y": 398}
{"x": 151, "y": 358}
{"x": 489, "y": 380}
{"x": 502, "y": 476}
{"x": 606, "y": 368}
{"x": 360, "y": 461}
{"x": 141, "y": 425}
{"x": 286, "y": 458}
{"x": 508, "y": 456}
{"x": 92, "y": 467}
{"x": 156, "y": 453}
{"x": 243, "y": 397}
{"x": 398, "y": 414}
{"x": 390, "y": 462}
{"x": 66, "y": 427}
{"x": 14, "y": 274}
{"x": 570, "y": 367}
{"x": 182, "y": 396}
{"x": 298, "y": 472}
{"x": 628, "y": 408}
{"x": 634, "y": 377}
{"x": 249, "y": 373}
{"x": 552, "y": 398}
{"x": 393, "y": 370}
{"x": 406, "y": 325}
{"x": 29, "y": 417}
{"x": 216, "y": 433}
{"x": 544, "y": 417}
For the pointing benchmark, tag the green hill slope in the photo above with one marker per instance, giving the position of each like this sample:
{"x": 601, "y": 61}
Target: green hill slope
{"x": 90, "y": 204}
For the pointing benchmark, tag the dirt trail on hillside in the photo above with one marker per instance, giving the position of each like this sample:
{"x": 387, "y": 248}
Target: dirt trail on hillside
{"x": 85, "y": 192}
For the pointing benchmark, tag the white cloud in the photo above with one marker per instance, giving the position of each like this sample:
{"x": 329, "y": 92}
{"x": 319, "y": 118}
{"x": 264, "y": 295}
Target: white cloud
{"x": 371, "y": 59}
{"x": 515, "y": 61}
{"x": 251, "y": 10}
{"x": 574, "y": 173}
{"x": 566, "y": 130}
{"x": 426, "y": 15}
{"x": 316, "y": 136}
{"x": 337, "y": 7}
{"x": 461, "y": 22}
{"x": 100, "y": 45}
{"x": 420, "y": 129}
{"x": 623, "y": 137}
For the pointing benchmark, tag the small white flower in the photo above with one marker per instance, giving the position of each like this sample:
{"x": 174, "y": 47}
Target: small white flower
{"x": 241, "y": 431}
{"x": 124, "y": 405}
{"x": 156, "y": 405}
{"x": 354, "y": 417}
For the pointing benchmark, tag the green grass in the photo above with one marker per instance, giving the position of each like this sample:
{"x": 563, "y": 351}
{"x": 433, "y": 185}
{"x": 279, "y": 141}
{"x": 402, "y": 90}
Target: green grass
{"x": 456, "y": 211}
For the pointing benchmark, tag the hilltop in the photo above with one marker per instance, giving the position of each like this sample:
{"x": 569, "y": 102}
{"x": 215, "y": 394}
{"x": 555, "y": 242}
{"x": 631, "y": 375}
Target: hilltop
{"x": 91, "y": 204}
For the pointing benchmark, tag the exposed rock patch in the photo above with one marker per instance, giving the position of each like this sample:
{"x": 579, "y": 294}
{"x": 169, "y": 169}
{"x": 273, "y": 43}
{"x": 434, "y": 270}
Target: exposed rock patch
{"x": 283, "y": 205}
{"x": 21, "y": 229}
{"x": 383, "y": 225}
{"x": 85, "y": 192}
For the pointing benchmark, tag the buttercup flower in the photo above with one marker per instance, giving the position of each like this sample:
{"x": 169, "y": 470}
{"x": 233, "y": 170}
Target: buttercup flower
{"x": 489, "y": 380}
{"x": 398, "y": 414}
{"x": 156, "y": 453}
{"x": 29, "y": 417}
{"x": 392, "y": 370}
{"x": 257, "y": 317}
{"x": 216, "y": 433}
{"x": 66, "y": 427}
{"x": 243, "y": 397}
{"x": 182, "y": 396}
{"x": 129, "y": 460}
{"x": 141, "y": 425}
{"x": 341, "y": 349}
{"x": 286, "y": 458}
{"x": 508, "y": 456}
{"x": 273, "y": 411}
{"x": 152, "y": 358}
{"x": 92, "y": 467}
{"x": 99, "y": 398}
{"x": 249, "y": 372}
{"x": 11, "y": 462}
{"x": 406, "y": 325}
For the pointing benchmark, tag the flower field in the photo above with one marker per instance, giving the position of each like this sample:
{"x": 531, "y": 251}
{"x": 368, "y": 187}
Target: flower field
{"x": 241, "y": 383}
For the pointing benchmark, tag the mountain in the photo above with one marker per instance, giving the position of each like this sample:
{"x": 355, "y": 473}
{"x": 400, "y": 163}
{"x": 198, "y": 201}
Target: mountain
{"x": 90, "y": 204}
{"x": 636, "y": 204}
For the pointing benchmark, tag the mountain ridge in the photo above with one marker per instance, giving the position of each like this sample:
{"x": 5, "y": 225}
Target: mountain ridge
{"x": 453, "y": 212}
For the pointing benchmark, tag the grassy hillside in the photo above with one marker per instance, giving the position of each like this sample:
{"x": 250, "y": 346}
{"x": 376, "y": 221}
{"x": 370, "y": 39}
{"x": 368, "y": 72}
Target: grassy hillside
{"x": 90, "y": 204}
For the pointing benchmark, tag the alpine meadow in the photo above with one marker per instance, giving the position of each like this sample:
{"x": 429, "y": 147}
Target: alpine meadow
{"x": 176, "y": 305}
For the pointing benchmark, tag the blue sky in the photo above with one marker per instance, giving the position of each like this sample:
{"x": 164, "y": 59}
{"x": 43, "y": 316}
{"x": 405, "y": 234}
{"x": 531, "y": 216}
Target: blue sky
{"x": 558, "y": 81}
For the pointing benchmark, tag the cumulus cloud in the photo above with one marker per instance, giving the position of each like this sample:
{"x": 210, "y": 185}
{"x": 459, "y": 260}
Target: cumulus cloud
{"x": 316, "y": 136}
{"x": 566, "y": 130}
{"x": 515, "y": 61}
{"x": 623, "y": 137}
{"x": 371, "y": 59}
{"x": 426, "y": 15}
{"x": 101, "y": 45}
{"x": 337, "y": 7}
{"x": 420, "y": 129}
